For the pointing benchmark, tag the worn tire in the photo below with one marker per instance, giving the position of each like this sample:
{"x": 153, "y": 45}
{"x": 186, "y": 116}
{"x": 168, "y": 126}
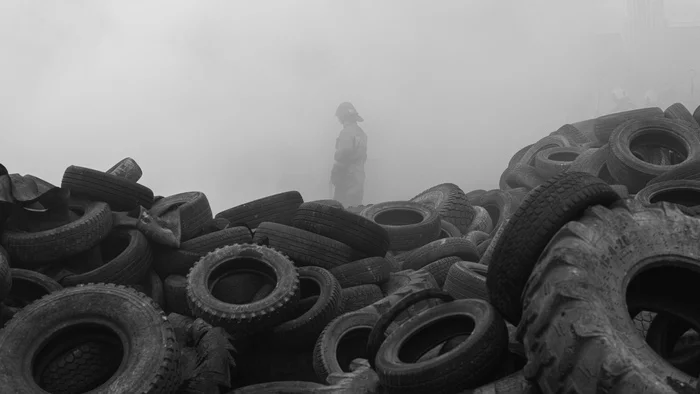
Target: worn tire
{"x": 152, "y": 359}
{"x": 450, "y": 202}
{"x": 357, "y": 297}
{"x": 369, "y": 271}
{"x": 29, "y": 286}
{"x": 351, "y": 229}
{"x": 194, "y": 209}
{"x": 409, "y": 224}
{"x": 685, "y": 194}
{"x": 552, "y": 161}
{"x": 343, "y": 340}
{"x": 469, "y": 365}
{"x": 689, "y": 170}
{"x": 573, "y": 135}
{"x": 604, "y": 125}
{"x": 241, "y": 320}
{"x": 30, "y": 250}
{"x": 439, "y": 268}
{"x": 448, "y": 229}
{"x": 306, "y": 248}
{"x": 127, "y": 266}
{"x": 436, "y": 250}
{"x": 277, "y": 208}
{"x": 576, "y": 326}
{"x": 467, "y": 280}
{"x": 678, "y": 111}
{"x": 498, "y": 204}
{"x": 119, "y": 193}
{"x": 544, "y": 211}
{"x": 629, "y": 170}
{"x": 5, "y": 274}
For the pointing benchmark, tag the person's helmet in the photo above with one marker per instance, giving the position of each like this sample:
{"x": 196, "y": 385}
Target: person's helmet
{"x": 346, "y": 110}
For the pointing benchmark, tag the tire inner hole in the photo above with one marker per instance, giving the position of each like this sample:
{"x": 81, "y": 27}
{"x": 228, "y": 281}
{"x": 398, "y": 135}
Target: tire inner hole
{"x": 310, "y": 291}
{"x": 438, "y": 333}
{"x": 671, "y": 335}
{"x": 657, "y": 139}
{"x": 563, "y": 156}
{"x": 241, "y": 281}
{"x": 681, "y": 196}
{"x": 398, "y": 217}
{"x": 78, "y": 359}
{"x": 351, "y": 345}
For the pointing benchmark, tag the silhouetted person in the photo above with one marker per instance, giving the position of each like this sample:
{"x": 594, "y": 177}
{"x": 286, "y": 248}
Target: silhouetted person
{"x": 348, "y": 174}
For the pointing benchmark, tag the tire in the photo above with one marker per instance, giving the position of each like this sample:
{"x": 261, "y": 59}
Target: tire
{"x": 572, "y": 135}
{"x": 128, "y": 169}
{"x": 369, "y": 271}
{"x": 194, "y": 210}
{"x": 448, "y": 229}
{"x": 576, "y": 318}
{"x": 306, "y": 248}
{"x": 592, "y": 161}
{"x": 332, "y": 203}
{"x": 678, "y": 111}
{"x": 498, "y": 205}
{"x": 343, "y": 340}
{"x": 450, "y": 202}
{"x": 436, "y": 250}
{"x": 378, "y": 334}
{"x": 119, "y": 193}
{"x": 482, "y": 221}
{"x": 301, "y": 331}
{"x": 5, "y": 274}
{"x": 277, "y": 208}
{"x": 512, "y": 384}
{"x": 517, "y": 157}
{"x": 685, "y": 194}
{"x": 213, "y": 226}
{"x": 31, "y": 250}
{"x": 467, "y": 280}
{"x": 154, "y": 288}
{"x": 351, "y": 229}
{"x": 544, "y": 211}
{"x": 439, "y": 268}
{"x": 482, "y": 248}
{"x": 621, "y": 190}
{"x": 544, "y": 143}
{"x": 523, "y": 175}
{"x": 473, "y": 196}
{"x": 690, "y": 170}
{"x": 605, "y": 125}
{"x": 243, "y": 320}
{"x": 127, "y": 257}
{"x": 469, "y": 365}
{"x": 477, "y": 237}
{"x": 633, "y": 172}
{"x": 489, "y": 245}
{"x": 357, "y": 297}
{"x": 553, "y": 161}
{"x": 29, "y": 286}
{"x": 410, "y": 225}
{"x": 152, "y": 356}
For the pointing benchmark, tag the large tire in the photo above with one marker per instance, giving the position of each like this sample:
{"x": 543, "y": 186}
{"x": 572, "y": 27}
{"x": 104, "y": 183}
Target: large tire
{"x": 151, "y": 363}
{"x": 241, "y": 320}
{"x": 121, "y": 194}
{"x": 277, "y": 208}
{"x": 629, "y": 170}
{"x": 469, "y": 365}
{"x": 336, "y": 223}
{"x": 576, "y": 325}
{"x": 410, "y": 224}
{"x": 450, "y": 202}
{"x": 30, "y": 250}
{"x": 544, "y": 211}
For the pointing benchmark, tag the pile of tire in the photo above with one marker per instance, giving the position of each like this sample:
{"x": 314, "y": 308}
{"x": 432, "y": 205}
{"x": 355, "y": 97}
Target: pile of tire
{"x": 576, "y": 275}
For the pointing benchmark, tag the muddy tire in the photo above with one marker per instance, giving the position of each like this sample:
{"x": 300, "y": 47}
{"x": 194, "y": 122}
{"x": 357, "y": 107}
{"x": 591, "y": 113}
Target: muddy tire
{"x": 152, "y": 354}
{"x": 576, "y": 326}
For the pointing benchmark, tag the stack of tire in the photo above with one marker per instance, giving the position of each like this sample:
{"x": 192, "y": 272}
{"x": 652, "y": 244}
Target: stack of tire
{"x": 532, "y": 287}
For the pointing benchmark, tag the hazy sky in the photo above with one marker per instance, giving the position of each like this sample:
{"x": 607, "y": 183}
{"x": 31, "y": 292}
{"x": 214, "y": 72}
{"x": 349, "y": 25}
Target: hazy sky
{"x": 236, "y": 98}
